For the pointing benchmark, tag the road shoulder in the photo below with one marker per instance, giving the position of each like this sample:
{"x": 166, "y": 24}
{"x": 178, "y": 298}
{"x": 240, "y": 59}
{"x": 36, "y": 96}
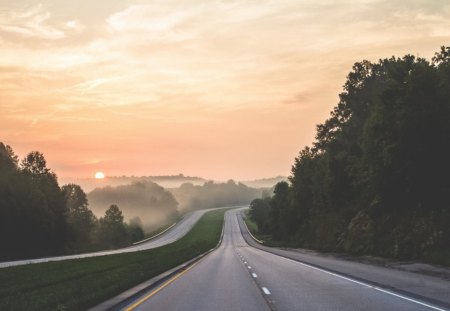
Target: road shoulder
{"x": 416, "y": 285}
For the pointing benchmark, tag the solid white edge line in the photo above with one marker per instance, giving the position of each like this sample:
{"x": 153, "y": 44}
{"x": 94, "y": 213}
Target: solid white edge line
{"x": 356, "y": 282}
{"x": 367, "y": 285}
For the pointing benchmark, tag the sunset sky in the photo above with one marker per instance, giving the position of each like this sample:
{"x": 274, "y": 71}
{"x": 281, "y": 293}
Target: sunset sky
{"x": 218, "y": 89}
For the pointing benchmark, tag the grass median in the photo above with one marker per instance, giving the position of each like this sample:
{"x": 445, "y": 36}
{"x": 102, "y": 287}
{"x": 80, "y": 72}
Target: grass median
{"x": 81, "y": 283}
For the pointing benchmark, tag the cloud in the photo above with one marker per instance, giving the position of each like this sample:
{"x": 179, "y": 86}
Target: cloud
{"x": 33, "y": 23}
{"x": 179, "y": 70}
{"x": 74, "y": 25}
{"x": 89, "y": 85}
{"x": 144, "y": 18}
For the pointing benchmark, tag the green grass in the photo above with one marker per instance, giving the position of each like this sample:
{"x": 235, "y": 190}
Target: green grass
{"x": 251, "y": 225}
{"x": 82, "y": 283}
{"x": 253, "y": 228}
{"x": 267, "y": 239}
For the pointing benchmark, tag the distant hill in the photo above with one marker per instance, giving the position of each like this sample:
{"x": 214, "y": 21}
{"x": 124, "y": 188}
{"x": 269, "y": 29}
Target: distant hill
{"x": 265, "y": 182}
{"x": 144, "y": 199}
{"x": 155, "y": 204}
{"x": 167, "y": 181}
{"x": 211, "y": 194}
{"x": 170, "y": 181}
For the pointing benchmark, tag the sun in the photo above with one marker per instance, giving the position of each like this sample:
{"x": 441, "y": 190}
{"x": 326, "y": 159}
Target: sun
{"x": 99, "y": 175}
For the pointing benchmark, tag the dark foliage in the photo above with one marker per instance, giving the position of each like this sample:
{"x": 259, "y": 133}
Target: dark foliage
{"x": 376, "y": 180}
{"x": 112, "y": 232}
{"x": 32, "y": 207}
{"x": 38, "y": 218}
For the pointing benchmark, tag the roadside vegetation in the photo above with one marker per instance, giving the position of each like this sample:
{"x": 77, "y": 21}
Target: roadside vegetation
{"x": 376, "y": 180}
{"x": 82, "y": 283}
{"x": 252, "y": 226}
{"x": 40, "y": 218}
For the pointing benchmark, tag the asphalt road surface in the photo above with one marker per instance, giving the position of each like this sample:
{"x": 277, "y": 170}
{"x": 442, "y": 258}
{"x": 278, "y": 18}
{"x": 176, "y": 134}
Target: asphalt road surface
{"x": 175, "y": 233}
{"x": 238, "y": 276}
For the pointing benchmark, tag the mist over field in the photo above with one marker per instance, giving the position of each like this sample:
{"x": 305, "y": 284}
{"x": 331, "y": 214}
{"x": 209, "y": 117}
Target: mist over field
{"x": 264, "y": 182}
{"x": 210, "y": 194}
{"x": 144, "y": 199}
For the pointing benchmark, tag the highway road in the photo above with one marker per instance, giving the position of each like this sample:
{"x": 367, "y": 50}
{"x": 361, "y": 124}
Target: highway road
{"x": 238, "y": 276}
{"x": 175, "y": 233}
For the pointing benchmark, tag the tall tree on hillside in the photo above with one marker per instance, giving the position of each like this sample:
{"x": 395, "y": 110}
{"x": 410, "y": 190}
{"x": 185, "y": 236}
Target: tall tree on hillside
{"x": 49, "y": 200}
{"x": 8, "y": 159}
{"x": 280, "y": 210}
{"x": 81, "y": 221}
{"x": 260, "y": 214}
{"x": 112, "y": 230}
{"x": 32, "y": 207}
{"x": 35, "y": 164}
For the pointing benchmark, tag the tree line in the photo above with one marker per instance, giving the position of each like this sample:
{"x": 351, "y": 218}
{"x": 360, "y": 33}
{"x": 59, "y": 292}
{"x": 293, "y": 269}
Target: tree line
{"x": 156, "y": 205}
{"x": 376, "y": 179}
{"x": 145, "y": 199}
{"x": 211, "y": 194}
{"x": 40, "y": 218}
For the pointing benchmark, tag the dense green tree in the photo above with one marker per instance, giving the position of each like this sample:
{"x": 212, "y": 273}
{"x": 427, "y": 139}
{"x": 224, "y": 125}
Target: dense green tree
{"x": 376, "y": 179}
{"x": 280, "y": 211}
{"x": 32, "y": 207}
{"x": 35, "y": 164}
{"x": 8, "y": 159}
{"x": 38, "y": 218}
{"x": 259, "y": 213}
{"x": 112, "y": 229}
{"x": 81, "y": 221}
{"x": 134, "y": 229}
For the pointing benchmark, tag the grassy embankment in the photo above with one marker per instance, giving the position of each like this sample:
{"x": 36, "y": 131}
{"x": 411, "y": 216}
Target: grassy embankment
{"x": 253, "y": 228}
{"x": 266, "y": 239}
{"x": 81, "y": 283}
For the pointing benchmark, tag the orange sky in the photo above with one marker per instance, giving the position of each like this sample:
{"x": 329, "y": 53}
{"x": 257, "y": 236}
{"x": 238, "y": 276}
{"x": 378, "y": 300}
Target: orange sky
{"x": 219, "y": 89}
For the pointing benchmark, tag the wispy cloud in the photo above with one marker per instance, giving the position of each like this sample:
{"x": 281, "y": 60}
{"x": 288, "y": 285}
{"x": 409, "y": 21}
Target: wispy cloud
{"x": 32, "y": 23}
{"x": 195, "y": 73}
{"x": 145, "y": 18}
{"x": 87, "y": 86}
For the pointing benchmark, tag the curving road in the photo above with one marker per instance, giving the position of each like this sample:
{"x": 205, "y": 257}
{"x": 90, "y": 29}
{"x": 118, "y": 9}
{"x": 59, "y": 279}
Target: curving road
{"x": 171, "y": 235}
{"x": 238, "y": 276}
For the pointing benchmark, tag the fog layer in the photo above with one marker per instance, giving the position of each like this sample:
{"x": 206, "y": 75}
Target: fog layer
{"x": 146, "y": 200}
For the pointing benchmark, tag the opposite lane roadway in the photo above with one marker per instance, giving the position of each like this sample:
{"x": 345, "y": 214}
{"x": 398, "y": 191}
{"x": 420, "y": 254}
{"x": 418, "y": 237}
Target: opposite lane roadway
{"x": 175, "y": 233}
